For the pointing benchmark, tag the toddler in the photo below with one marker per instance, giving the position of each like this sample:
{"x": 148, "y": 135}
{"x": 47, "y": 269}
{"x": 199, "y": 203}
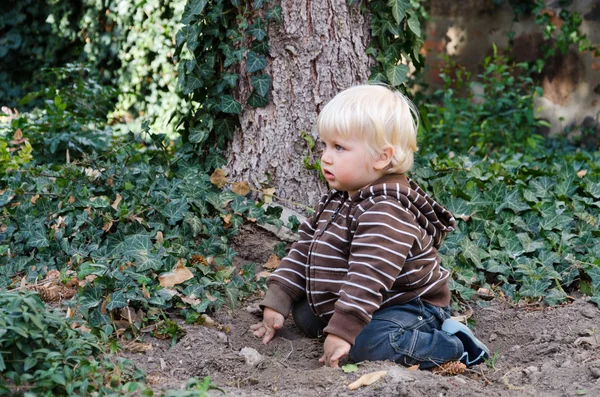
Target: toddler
{"x": 365, "y": 272}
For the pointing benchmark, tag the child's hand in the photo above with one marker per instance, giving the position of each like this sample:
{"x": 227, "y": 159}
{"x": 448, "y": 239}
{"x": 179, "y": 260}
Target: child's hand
{"x": 272, "y": 321}
{"x": 335, "y": 348}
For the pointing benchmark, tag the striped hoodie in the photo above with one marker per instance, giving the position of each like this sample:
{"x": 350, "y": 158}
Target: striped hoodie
{"x": 357, "y": 254}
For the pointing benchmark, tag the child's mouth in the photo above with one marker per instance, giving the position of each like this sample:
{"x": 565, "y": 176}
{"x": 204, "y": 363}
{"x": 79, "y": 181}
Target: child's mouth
{"x": 328, "y": 175}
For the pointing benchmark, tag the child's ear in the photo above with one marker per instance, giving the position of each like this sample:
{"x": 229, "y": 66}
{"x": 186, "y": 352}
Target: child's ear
{"x": 383, "y": 160}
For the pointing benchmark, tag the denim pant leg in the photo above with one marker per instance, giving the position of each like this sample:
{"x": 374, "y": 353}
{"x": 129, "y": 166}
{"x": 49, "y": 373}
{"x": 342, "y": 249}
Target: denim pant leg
{"x": 305, "y": 319}
{"x": 408, "y": 334}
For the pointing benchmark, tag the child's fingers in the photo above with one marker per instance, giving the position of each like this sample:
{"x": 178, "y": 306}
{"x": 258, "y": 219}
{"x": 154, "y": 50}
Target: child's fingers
{"x": 256, "y": 326}
{"x": 269, "y": 334}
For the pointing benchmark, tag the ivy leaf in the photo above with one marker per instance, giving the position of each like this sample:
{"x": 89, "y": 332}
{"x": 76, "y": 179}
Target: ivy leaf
{"x": 399, "y": 8}
{"x": 191, "y": 10}
{"x": 38, "y": 239}
{"x": 458, "y": 207}
{"x": 471, "y": 251}
{"x": 134, "y": 243}
{"x": 145, "y": 261}
{"x": 197, "y": 135}
{"x": 231, "y": 79}
{"x": 195, "y": 223}
{"x": 593, "y": 189}
{"x": 257, "y": 31}
{"x": 261, "y": 84}
{"x": 255, "y": 62}
{"x": 414, "y": 25}
{"x": 396, "y": 74}
{"x": 513, "y": 202}
{"x": 274, "y": 14}
{"x": 257, "y": 101}
{"x": 175, "y": 210}
{"x": 225, "y": 127}
{"x": 534, "y": 288}
{"x": 90, "y": 298}
{"x": 117, "y": 301}
{"x": 230, "y": 105}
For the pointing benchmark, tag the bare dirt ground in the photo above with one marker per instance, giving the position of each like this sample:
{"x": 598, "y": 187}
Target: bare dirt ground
{"x": 535, "y": 352}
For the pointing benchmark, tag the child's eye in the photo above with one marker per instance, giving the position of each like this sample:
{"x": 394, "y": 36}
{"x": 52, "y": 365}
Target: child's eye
{"x": 338, "y": 148}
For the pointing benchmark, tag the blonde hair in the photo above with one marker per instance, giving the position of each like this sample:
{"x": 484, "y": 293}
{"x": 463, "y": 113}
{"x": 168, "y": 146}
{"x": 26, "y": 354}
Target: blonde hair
{"x": 377, "y": 114}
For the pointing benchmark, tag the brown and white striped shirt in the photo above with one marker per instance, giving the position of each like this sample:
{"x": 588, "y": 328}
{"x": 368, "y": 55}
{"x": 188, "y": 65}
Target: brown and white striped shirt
{"x": 355, "y": 255}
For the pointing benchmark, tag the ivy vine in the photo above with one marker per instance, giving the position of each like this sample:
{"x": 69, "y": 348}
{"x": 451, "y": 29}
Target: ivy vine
{"x": 220, "y": 37}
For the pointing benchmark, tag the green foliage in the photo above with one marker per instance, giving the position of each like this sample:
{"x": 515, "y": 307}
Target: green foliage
{"x": 497, "y": 111}
{"x": 221, "y": 37}
{"x": 73, "y": 118}
{"x": 123, "y": 213}
{"x": 41, "y": 353}
{"x": 527, "y": 224}
{"x": 128, "y": 43}
{"x": 35, "y": 34}
{"x": 396, "y": 38}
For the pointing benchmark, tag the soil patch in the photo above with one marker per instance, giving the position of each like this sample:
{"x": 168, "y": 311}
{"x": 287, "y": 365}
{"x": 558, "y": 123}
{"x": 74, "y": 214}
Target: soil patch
{"x": 536, "y": 352}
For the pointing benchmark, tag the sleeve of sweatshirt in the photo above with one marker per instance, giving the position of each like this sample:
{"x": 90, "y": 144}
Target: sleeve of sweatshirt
{"x": 384, "y": 235}
{"x": 287, "y": 284}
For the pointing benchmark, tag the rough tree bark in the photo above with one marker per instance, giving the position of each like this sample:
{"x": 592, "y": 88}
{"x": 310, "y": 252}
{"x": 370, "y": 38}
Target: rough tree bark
{"x": 317, "y": 51}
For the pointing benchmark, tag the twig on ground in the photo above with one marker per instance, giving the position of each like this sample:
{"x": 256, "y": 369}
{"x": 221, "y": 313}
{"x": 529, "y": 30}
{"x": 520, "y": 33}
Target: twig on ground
{"x": 509, "y": 385}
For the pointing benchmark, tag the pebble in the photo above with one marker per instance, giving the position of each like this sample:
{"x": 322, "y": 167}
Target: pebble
{"x": 567, "y": 364}
{"x": 150, "y": 359}
{"x": 493, "y": 337}
{"x": 530, "y": 370}
{"x": 222, "y": 337}
{"x": 589, "y": 312}
{"x": 595, "y": 371}
{"x": 252, "y": 356}
{"x": 163, "y": 364}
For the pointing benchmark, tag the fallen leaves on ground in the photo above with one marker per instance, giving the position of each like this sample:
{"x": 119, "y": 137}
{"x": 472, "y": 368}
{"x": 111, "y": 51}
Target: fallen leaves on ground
{"x": 273, "y": 262}
{"x": 367, "y": 379}
{"x": 177, "y": 276}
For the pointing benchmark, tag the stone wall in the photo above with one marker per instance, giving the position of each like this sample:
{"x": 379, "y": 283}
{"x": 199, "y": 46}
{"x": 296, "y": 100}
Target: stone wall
{"x": 465, "y": 31}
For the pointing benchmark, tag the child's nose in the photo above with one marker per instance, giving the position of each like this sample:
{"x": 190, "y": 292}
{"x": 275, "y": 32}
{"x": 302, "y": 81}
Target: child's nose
{"x": 326, "y": 156}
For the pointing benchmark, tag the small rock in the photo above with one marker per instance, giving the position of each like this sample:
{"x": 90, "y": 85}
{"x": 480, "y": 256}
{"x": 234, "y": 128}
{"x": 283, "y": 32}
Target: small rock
{"x": 530, "y": 370}
{"x": 547, "y": 366}
{"x": 567, "y": 364}
{"x": 589, "y": 312}
{"x": 515, "y": 348}
{"x": 492, "y": 337}
{"x": 150, "y": 359}
{"x": 253, "y": 309}
{"x": 459, "y": 379}
{"x": 252, "y": 356}
{"x": 222, "y": 337}
{"x": 400, "y": 375}
{"x": 163, "y": 364}
{"x": 595, "y": 372}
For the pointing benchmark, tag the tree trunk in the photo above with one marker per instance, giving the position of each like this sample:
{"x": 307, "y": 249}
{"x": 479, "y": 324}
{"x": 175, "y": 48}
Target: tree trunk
{"x": 317, "y": 51}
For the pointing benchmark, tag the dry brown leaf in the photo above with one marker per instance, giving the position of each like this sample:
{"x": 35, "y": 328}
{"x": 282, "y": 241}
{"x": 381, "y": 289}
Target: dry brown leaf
{"x": 272, "y": 263}
{"x": 110, "y": 182}
{"x": 139, "y": 220}
{"x": 159, "y": 237}
{"x": 210, "y": 297}
{"x": 117, "y": 201}
{"x": 581, "y": 173}
{"x": 138, "y": 347}
{"x": 18, "y": 135}
{"x": 107, "y": 226}
{"x": 367, "y": 379}
{"x": 414, "y": 367}
{"x": 35, "y": 198}
{"x": 227, "y": 221}
{"x": 218, "y": 178}
{"x": 268, "y": 195}
{"x": 71, "y": 199}
{"x": 190, "y": 301}
{"x": 52, "y": 274}
{"x": 263, "y": 274}
{"x": 241, "y": 188}
{"x": 145, "y": 292}
{"x": 177, "y": 276}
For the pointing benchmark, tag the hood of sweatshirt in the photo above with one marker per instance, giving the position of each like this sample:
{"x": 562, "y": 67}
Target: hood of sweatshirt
{"x": 431, "y": 216}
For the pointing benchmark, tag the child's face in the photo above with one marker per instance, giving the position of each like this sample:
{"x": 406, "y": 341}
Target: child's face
{"x": 346, "y": 164}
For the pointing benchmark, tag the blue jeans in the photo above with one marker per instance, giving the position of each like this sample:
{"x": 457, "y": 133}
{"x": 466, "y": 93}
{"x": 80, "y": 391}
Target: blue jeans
{"x": 407, "y": 334}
